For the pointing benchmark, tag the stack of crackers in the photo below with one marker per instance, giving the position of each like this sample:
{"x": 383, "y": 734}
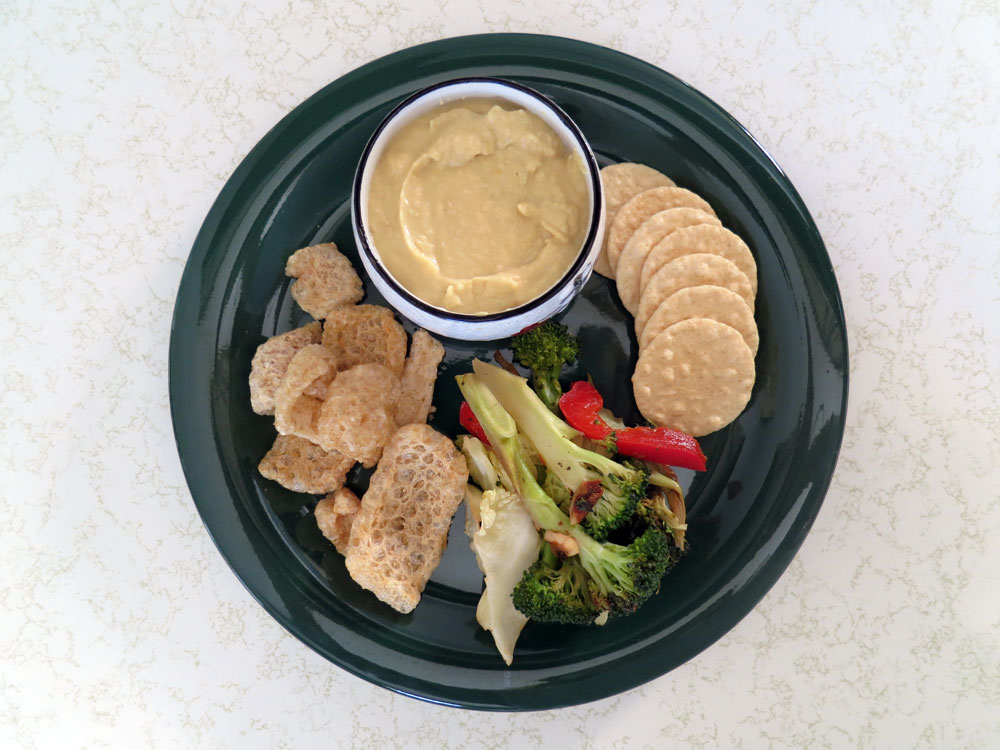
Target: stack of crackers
{"x": 690, "y": 284}
{"x": 344, "y": 392}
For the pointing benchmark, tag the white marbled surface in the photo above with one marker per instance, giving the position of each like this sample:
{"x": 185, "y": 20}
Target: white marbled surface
{"x": 120, "y": 624}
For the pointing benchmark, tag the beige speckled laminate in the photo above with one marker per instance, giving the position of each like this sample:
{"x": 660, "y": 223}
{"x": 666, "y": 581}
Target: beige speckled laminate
{"x": 121, "y": 626}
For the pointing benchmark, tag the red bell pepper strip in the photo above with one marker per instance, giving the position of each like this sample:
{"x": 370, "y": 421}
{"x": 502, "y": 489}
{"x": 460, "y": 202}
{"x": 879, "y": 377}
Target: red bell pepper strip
{"x": 468, "y": 420}
{"x": 580, "y": 406}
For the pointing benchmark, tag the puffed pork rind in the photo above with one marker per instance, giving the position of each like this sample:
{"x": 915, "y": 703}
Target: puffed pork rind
{"x": 401, "y": 531}
{"x": 302, "y": 466}
{"x": 325, "y": 280}
{"x": 300, "y": 395}
{"x": 365, "y": 335}
{"x": 416, "y": 387}
{"x": 271, "y": 360}
{"x": 335, "y": 515}
{"x": 359, "y": 414}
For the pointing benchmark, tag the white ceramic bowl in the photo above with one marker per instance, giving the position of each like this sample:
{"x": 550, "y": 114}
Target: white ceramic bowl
{"x": 496, "y": 325}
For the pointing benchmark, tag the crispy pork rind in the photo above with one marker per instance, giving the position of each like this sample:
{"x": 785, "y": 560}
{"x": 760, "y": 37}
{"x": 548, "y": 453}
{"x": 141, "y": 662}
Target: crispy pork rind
{"x": 326, "y": 280}
{"x": 300, "y": 395}
{"x": 365, "y": 335}
{"x": 335, "y": 515}
{"x": 416, "y": 388}
{"x": 401, "y": 531}
{"x": 359, "y": 414}
{"x": 301, "y": 466}
{"x": 270, "y": 362}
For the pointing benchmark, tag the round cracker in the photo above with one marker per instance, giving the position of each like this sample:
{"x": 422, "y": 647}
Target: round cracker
{"x": 699, "y": 269}
{"x": 703, "y": 238}
{"x": 622, "y": 182}
{"x": 651, "y": 232}
{"x": 695, "y": 376}
{"x": 712, "y": 302}
{"x": 641, "y": 207}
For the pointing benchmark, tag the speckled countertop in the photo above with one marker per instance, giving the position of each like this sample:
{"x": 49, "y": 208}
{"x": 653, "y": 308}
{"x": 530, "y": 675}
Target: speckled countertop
{"x": 120, "y": 624}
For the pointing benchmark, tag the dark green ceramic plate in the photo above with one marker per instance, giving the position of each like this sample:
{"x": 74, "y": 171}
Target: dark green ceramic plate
{"x": 748, "y": 514}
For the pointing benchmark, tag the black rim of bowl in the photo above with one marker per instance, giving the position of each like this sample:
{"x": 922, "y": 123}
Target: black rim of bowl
{"x": 567, "y": 278}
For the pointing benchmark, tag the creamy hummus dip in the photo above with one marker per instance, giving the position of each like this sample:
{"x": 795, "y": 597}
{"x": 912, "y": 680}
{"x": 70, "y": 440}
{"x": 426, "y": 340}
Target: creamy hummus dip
{"x": 477, "y": 208}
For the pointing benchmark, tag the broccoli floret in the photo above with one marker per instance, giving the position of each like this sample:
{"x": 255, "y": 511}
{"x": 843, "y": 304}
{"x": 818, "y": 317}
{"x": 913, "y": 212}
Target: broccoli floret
{"x": 619, "y": 578}
{"x": 544, "y": 350}
{"x": 555, "y": 590}
{"x": 622, "y": 578}
{"x": 664, "y": 509}
{"x": 624, "y": 484}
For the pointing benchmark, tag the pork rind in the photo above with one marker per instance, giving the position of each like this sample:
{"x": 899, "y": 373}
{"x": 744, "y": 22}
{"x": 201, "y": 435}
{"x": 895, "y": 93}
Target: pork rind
{"x": 416, "y": 388}
{"x": 301, "y": 392}
{"x": 335, "y": 515}
{"x": 270, "y": 362}
{"x": 301, "y": 466}
{"x": 401, "y": 531}
{"x": 359, "y": 414}
{"x": 365, "y": 335}
{"x": 326, "y": 280}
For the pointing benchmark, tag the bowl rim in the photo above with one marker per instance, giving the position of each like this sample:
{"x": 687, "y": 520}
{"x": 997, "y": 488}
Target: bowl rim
{"x": 597, "y": 207}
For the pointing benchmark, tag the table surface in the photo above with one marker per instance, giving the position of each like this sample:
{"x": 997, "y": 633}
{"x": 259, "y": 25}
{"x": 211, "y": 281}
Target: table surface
{"x": 120, "y": 624}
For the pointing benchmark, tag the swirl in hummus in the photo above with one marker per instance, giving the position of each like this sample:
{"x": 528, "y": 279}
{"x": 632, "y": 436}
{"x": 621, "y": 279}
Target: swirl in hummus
{"x": 477, "y": 209}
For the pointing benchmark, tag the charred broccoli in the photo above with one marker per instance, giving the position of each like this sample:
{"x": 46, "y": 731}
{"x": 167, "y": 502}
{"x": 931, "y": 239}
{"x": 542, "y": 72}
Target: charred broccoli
{"x": 544, "y": 350}
{"x": 600, "y": 578}
{"x": 624, "y": 485}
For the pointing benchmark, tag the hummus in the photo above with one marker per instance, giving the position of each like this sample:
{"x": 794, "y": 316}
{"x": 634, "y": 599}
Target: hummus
{"x": 477, "y": 209}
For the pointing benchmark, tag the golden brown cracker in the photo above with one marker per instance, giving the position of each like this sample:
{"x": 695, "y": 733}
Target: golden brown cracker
{"x": 621, "y": 183}
{"x": 690, "y": 270}
{"x": 702, "y": 238}
{"x": 658, "y": 226}
{"x": 642, "y": 206}
{"x": 695, "y": 376}
{"x": 703, "y": 302}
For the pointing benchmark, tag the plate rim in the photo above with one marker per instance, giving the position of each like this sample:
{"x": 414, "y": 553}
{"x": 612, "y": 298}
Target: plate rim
{"x": 770, "y": 571}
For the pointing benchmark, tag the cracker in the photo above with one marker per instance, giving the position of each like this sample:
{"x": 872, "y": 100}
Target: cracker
{"x": 325, "y": 280}
{"x": 401, "y": 531}
{"x": 702, "y": 238}
{"x": 270, "y": 362}
{"x": 300, "y": 395}
{"x": 365, "y": 335}
{"x": 703, "y": 302}
{"x": 658, "y": 226}
{"x": 690, "y": 270}
{"x": 302, "y": 466}
{"x": 695, "y": 376}
{"x": 335, "y": 516}
{"x": 416, "y": 387}
{"x": 358, "y": 415}
{"x": 621, "y": 182}
{"x": 641, "y": 207}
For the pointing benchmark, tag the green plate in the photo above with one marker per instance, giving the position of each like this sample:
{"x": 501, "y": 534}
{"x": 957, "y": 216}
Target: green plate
{"x": 748, "y": 514}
